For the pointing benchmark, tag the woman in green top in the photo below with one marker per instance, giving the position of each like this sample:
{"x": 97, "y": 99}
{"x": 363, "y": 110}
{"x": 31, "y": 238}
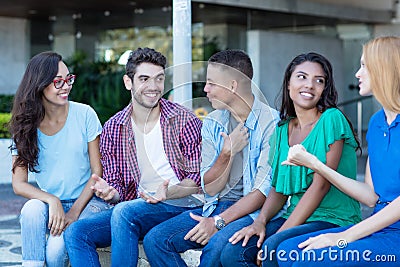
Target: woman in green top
{"x": 309, "y": 116}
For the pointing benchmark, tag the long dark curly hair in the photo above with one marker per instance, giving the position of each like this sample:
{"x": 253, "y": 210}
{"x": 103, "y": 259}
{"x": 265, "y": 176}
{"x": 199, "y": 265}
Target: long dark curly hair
{"x": 329, "y": 95}
{"x": 28, "y": 110}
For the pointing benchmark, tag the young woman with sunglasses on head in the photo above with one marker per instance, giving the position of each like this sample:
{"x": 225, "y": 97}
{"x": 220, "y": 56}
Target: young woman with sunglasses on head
{"x": 57, "y": 140}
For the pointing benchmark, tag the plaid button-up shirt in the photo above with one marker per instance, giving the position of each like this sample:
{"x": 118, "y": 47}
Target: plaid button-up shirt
{"x": 182, "y": 144}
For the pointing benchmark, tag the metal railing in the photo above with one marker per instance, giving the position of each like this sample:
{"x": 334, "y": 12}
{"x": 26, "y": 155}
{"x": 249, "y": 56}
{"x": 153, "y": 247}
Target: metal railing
{"x": 359, "y": 102}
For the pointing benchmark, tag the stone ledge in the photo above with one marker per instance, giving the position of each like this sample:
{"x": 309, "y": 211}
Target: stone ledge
{"x": 191, "y": 257}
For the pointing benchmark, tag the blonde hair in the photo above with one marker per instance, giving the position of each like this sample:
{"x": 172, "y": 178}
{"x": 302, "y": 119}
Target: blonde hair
{"x": 382, "y": 59}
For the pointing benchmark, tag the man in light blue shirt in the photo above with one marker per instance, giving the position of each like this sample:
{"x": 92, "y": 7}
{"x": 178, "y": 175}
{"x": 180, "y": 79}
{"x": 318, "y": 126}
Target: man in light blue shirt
{"x": 235, "y": 174}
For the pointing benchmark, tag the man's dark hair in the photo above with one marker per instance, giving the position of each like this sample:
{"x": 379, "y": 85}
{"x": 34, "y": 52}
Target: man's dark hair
{"x": 144, "y": 55}
{"x": 237, "y": 59}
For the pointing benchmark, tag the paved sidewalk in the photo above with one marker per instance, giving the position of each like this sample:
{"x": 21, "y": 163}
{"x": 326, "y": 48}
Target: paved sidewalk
{"x": 10, "y": 206}
{"x": 10, "y": 241}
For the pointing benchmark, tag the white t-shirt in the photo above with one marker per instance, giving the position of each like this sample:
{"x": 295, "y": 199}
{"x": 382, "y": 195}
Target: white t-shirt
{"x": 152, "y": 160}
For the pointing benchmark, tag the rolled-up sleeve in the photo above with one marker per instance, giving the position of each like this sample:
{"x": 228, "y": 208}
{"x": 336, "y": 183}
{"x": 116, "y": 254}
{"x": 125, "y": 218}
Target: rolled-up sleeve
{"x": 111, "y": 173}
{"x": 209, "y": 149}
{"x": 191, "y": 149}
{"x": 263, "y": 176}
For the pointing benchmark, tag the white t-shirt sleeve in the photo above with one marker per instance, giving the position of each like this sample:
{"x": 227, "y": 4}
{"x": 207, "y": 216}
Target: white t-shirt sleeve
{"x": 93, "y": 125}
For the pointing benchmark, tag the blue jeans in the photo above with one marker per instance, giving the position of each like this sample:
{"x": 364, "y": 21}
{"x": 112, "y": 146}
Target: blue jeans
{"x": 38, "y": 246}
{"x": 378, "y": 249}
{"x": 237, "y": 255}
{"x": 83, "y": 236}
{"x": 125, "y": 225}
{"x": 164, "y": 242}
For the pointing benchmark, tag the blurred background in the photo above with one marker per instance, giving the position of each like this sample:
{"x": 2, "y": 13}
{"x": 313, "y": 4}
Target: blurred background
{"x": 95, "y": 38}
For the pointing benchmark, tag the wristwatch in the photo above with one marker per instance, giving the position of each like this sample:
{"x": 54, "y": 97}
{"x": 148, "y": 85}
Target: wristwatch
{"x": 219, "y": 222}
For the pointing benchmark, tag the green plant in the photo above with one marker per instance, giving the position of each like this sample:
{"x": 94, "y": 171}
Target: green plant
{"x": 210, "y": 47}
{"x": 4, "y": 119}
{"x": 98, "y": 84}
{"x": 6, "y": 103}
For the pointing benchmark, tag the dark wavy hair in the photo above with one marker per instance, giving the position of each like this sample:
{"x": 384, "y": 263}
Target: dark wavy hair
{"x": 28, "y": 110}
{"x": 329, "y": 96}
{"x": 144, "y": 55}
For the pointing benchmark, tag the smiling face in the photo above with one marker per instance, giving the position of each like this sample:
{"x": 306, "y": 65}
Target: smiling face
{"x": 147, "y": 85}
{"x": 54, "y": 96}
{"x": 306, "y": 85}
{"x": 363, "y": 79}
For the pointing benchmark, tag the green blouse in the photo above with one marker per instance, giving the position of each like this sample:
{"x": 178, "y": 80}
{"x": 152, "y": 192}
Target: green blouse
{"x": 293, "y": 181}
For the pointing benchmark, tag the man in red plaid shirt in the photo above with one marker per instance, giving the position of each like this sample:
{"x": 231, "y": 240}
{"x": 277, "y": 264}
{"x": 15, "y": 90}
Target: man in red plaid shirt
{"x": 150, "y": 152}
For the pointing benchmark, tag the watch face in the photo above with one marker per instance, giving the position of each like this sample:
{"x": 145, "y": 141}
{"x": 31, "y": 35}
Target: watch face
{"x": 220, "y": 224}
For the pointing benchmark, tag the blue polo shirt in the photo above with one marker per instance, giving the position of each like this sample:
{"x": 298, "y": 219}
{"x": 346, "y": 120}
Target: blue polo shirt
{"x": 384, "y": 155}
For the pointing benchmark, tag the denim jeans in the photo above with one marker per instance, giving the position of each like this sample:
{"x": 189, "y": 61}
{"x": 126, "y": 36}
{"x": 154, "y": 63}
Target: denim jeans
{"x": 165, "y": 241}
{"x": 84, "y": 236}
{"x": 237, "y": 255}
{"x": 125, "y": 225}
{"x": 38, "y": 246}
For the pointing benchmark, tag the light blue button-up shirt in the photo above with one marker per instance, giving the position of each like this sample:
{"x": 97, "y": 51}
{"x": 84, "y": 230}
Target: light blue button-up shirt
{"x": 261, "y": 124}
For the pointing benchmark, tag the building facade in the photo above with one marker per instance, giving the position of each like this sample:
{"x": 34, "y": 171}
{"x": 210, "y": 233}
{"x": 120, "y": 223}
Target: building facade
{"x": 271, "y": 31}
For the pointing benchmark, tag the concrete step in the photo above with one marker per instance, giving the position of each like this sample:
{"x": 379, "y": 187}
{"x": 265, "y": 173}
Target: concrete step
{"x": 191, "y": 257}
